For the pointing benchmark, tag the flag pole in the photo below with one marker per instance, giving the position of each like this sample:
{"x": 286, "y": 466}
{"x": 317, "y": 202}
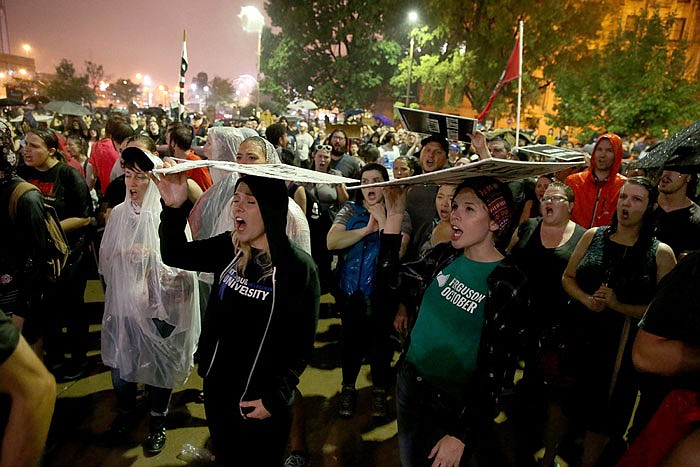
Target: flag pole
{"x": 520, "y": 82}
{"x": 183, "y": 68}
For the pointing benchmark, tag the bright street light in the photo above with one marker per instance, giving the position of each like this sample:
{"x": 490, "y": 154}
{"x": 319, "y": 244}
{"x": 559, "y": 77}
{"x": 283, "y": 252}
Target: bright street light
{"x": 27, "y": 48}
{"x": 253, "y": 21}
{"x": 412, "y": 19}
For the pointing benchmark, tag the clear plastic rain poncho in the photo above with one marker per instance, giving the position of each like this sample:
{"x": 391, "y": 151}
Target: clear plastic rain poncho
{"x": 213, "y": 213}
{"x": 224, "y": 142}
{"x": 151, "y": 322}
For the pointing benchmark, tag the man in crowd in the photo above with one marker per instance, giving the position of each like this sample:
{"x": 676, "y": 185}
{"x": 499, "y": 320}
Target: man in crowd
{"x": 104, "y": 153}
{"x": 421, "y": 198}
{"x": 304, "y": 143}
{"x": 340, "y": 159}
{"x": 596, "y": 190}
{"x": 677, "y": 216}
{"x": 179, "y": 139}
{"x": 668, "y": 345}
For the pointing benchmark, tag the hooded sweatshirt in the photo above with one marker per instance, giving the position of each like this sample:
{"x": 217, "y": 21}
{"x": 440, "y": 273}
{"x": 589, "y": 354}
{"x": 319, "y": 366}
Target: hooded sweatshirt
{"x": 596, "y": 200}
{"x": 246, "y": 314}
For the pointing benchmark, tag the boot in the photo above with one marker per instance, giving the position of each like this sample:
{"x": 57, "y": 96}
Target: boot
{"x": 156, "y": 437}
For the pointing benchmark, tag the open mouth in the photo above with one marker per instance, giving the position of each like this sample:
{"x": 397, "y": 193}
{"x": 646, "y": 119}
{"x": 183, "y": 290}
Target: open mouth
{"x": 240, "y": 224}
{"x": 456, "y": 233}
{"x": 548, "y": 210}
{"x": 444, "y": 214}
{"x": 624, "y": 213}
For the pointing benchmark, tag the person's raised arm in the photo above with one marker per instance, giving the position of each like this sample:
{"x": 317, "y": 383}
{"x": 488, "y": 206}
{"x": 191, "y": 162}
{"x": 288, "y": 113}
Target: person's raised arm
{"x": 173, "y": 188}
{"x": 33, "y": 392}
{"x": 480, "y": 146}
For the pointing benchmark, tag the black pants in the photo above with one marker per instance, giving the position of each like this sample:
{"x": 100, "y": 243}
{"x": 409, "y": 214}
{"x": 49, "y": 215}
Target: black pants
{"x": 365, "y": 333}
{"x": 238, "y": 441}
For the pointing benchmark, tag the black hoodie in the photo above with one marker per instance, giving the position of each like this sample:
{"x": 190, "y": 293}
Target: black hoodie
{"x": 239, "y": 308}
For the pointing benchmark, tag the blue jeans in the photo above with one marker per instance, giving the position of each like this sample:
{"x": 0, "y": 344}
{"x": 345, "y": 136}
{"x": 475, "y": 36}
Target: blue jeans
{"x": 425, "y": 414}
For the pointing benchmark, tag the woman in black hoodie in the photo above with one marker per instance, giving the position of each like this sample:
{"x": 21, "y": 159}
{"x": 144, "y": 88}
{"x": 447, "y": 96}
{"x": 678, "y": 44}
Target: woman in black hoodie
{"x": 259, "y": 327}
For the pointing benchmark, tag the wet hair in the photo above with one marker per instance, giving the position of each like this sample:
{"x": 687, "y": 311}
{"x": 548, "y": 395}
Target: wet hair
{"x": 359, "y": 197}
{"x": 50, "y": 140}
{"x": 646, "y": 233}
{"x": 145, "y": 140}
{"x": 181, "y": 134}
{"x": 257, "y": 141}
{"x": 118, "y": 128}
{"x": 387, "y": 137}
{"x": 568, "y": 191}
{"x": 274, "y": 132}
{"x": 409, "y": 162}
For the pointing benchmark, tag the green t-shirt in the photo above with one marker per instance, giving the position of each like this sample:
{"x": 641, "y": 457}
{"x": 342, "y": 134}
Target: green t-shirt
{"x": 445, "y": 339}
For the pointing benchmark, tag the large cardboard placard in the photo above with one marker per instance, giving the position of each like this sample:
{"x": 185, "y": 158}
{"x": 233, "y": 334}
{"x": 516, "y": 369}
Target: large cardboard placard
{"x": 548, "y": 152}
{"x": 501, "y": 169}
{"x": 452, "y": 127}
{"x": 279, "y": 171}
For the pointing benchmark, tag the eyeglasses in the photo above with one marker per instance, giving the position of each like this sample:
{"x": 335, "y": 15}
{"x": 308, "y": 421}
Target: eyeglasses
{"x": 553, "y": 199}
{"x": 324, "y": 147}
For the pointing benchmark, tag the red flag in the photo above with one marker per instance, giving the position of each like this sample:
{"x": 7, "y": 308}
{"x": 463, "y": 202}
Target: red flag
{"x": 511, "y": 72}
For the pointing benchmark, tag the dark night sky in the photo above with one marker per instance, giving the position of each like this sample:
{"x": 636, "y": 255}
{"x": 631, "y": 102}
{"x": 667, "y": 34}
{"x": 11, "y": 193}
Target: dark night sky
{"x": 130, "y": 36}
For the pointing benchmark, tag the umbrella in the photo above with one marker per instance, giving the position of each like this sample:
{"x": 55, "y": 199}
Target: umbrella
{"x": 302, "y": 104}
{"x": 66, "y": 108}
{"x": 9, "y": 102}
{"x": 36, "y": 100}
{"x": 688, "y": 136}
{"x": 351, "y": 112}
{"x": 38, "y": 118}
{"x": 383, "y": 119}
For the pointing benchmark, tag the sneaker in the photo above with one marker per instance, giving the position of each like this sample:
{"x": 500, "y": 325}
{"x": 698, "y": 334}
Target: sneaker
{"x": 346, "y": 405}
{"x": 297, "y": 459}
{"x": 379, "y": 405}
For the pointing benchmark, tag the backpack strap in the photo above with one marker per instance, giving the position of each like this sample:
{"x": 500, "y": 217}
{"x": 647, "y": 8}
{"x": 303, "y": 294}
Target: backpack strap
{"x": 17, "y": 193}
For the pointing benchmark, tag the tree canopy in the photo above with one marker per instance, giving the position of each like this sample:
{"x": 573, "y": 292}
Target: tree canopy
{"x": 125, "y": 90}
{"x": 633, "y": 85}
{"x": 462, "y": 48}
{"x": 344, "y": 50}
{"x": 67, "y": 86}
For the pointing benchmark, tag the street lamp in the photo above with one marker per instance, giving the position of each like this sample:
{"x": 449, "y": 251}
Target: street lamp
{"x": 254, "y": 21}
{"x": 412, "y": 18}
{"x": 27, "y": 48}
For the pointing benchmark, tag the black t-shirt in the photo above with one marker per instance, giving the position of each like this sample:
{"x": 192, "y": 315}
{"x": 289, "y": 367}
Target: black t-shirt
{"x": 115, "y": 192}
{"x": 674, "y": 312}
{"x": 679, "y": 229}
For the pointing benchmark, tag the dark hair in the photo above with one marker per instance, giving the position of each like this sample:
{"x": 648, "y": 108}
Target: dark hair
{"x": 274, "y": 132}
{"x": 387, "y": 137}
{"x": 118, "y": 128}
{"x": 646, "y": 233}
{"x": 498, "y": 139}
{"x": 410, "y": 162}
{"x": 50, "y": 139}
{"x": 181, "y": 134}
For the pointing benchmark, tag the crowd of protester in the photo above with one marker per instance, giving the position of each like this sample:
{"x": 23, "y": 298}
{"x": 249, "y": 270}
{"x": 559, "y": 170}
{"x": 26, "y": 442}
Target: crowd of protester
{"x": 516, "y": 305}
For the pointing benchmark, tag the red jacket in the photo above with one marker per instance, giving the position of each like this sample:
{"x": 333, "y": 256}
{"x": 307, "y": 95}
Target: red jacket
{"x": 595, "y": 201}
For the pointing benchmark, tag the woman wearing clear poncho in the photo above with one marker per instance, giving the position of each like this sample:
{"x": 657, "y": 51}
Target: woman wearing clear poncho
{"x": 151, "y": 322}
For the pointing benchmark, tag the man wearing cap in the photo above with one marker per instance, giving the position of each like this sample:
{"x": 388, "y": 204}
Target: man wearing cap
{"x": 421, "y": 198}
{"x": 455, "y": 152}
{"x": 677, "y": 216}
{"x": 340, "y": 159}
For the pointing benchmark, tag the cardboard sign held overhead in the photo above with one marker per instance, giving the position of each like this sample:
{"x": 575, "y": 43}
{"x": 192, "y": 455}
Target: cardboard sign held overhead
{"x": 452, "y": 127}
{"x": 550, "y": 153}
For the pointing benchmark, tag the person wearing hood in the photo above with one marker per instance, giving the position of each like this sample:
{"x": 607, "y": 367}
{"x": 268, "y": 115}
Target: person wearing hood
{"x": 258, "y": 332}
{"x": 596, "y": 189}
{"x": 151, "y": 321}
